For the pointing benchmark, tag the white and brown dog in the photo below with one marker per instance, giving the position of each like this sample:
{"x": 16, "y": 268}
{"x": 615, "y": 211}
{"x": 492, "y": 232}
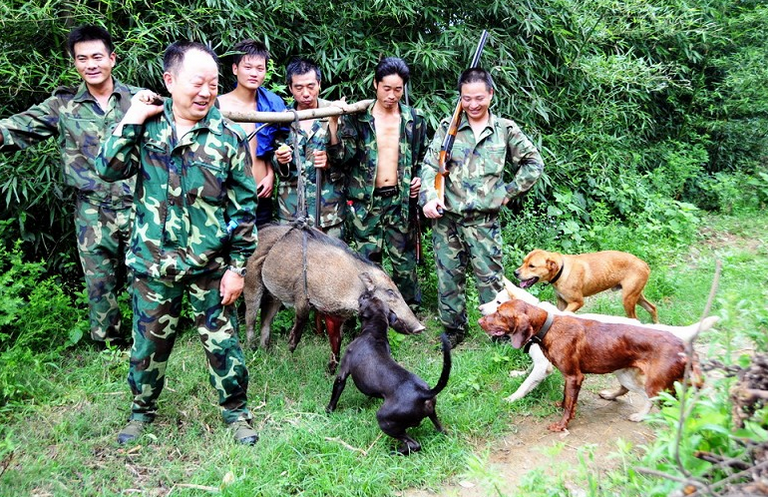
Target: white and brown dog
{"x": 543, "y": 368}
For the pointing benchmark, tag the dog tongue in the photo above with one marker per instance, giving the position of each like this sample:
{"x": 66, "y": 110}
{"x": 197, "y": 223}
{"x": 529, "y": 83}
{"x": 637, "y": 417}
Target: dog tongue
{"x": 526, "y": 283}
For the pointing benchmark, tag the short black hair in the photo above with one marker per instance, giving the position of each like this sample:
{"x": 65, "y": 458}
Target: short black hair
{"x": 89, "y": 32}
{"x": 299, "y": 66}
{"x": 249, "y": 48}
{"x": 176, "y": 51}
{"x": 474, "y": 75}
{"x": 392, "y": 65}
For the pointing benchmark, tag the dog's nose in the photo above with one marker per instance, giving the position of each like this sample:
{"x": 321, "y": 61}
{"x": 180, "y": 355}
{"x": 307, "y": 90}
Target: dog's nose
{"x": 516, "y": 273}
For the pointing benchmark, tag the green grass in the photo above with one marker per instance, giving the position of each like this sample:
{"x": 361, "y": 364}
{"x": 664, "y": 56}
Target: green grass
{"x": 63, "y": 443}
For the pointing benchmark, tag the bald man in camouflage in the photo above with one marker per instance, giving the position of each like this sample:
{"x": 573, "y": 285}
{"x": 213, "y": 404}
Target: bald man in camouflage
{"x": 193, "y": 231}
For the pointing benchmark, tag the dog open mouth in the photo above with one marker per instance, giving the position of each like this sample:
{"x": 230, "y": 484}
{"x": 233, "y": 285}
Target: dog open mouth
{"x": 529, "y": 282}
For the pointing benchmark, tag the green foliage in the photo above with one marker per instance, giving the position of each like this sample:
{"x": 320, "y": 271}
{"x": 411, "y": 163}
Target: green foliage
{"x": 630, "y": 102}
{"x": 38, "y": 319}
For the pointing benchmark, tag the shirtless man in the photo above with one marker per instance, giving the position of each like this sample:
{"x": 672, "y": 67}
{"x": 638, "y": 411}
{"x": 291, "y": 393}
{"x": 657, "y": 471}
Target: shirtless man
{"x": 249, "y": 65}
{"x": 381, "y": 150}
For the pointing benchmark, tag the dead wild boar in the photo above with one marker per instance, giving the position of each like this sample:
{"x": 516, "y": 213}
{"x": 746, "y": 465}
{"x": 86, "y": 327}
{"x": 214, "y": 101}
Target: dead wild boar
{"x": 334, "y": 280}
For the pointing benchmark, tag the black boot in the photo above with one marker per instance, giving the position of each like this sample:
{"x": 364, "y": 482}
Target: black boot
{"x": 455, "y": 336}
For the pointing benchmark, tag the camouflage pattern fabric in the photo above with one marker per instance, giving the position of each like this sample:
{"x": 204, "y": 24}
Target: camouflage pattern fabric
{"x": 475, "y": 189}
{"x": 460, "y": 242}
{"x": 383, "y": 230}
{"x": 194, "y": 215}
{"x": 195, "y": 196}
{"x": 79, "y": 123}
{"x": 477, "y": 169}
{"x": 157, "y": 304}
{"x": 102, "y": 238}
{"x": 375, "y": 222}
{"x": 333, "y": 202}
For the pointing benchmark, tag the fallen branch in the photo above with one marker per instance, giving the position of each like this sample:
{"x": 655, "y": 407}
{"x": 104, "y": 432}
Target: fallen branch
{"x": 290, "y": 116}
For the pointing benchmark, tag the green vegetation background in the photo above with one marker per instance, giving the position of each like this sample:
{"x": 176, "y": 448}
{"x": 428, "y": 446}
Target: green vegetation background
{"x": 650, "y": 115}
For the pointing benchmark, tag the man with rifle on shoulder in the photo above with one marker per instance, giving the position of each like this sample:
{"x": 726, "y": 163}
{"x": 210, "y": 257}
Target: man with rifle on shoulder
{"x": 466, "y": 229}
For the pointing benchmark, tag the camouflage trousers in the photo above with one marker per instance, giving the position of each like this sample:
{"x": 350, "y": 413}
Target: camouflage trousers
{"x": 157, "y": 305}
{"x": 102, "y": 238}
{"x": 458, "y": 242}
{"x": 385, "y": 228}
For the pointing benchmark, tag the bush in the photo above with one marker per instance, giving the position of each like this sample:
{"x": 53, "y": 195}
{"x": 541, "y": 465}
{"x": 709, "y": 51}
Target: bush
{"x": 37, "y": 321}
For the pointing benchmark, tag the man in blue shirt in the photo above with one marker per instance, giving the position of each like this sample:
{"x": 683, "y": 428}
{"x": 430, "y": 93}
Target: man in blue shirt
{"x": 249, "y": 65}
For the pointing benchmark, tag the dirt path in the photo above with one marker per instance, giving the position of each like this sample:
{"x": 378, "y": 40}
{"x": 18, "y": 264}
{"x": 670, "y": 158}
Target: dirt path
{"x": 599, "y": 423}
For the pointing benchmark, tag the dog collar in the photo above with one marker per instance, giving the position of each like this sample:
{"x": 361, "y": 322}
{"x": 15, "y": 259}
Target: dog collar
{"x": 557, "y": 276}
{"x": 538, "y": 337}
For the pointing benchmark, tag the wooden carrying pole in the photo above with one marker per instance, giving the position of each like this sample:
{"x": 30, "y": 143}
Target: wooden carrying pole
{"x": 287, "y": 117}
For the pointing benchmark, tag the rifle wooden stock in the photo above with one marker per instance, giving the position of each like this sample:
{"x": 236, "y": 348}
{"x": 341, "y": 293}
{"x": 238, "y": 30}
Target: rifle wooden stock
{"x": 445, "y": 152}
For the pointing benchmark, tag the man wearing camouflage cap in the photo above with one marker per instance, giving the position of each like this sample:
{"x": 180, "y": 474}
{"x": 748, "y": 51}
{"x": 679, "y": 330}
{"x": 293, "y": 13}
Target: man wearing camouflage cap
{"x": 79, "y": 117}
{"x": 466, "y": 227}
{"x": 193, "y": 231}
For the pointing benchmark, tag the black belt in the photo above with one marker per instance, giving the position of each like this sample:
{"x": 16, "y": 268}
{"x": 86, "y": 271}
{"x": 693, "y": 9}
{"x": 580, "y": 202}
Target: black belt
{"x": 385, "y": 191}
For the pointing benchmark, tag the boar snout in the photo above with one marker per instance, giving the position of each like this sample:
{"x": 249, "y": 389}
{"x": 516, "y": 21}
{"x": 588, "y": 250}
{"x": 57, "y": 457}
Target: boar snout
{"x": 407, "y": 326}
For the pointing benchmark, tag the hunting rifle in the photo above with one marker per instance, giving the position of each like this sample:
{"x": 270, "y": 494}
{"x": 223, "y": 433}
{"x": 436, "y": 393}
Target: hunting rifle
{"x": 414, "y": 212}
{"x": 453, "y": 127}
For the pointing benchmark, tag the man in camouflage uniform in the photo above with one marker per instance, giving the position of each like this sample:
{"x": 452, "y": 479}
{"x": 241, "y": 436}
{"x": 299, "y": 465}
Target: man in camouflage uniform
{"x": 309, "y": 146}
{"x": 381, "y": 149}
{"x": 79, "y": 117}
{"x": 466, "y": 227}
{"x": 193, "y": 231}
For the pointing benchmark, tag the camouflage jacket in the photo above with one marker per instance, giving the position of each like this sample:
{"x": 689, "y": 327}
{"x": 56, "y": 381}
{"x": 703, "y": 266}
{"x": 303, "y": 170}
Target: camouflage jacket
{"x": 333, "y": 205}
{"x": 76, "y": 118}
{"x": 195, "y": 196}
{"x": 476, "y": 182}
{"x": 358, "y": 156}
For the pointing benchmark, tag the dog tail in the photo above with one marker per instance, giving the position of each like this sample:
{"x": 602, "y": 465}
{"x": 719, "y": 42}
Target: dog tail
{"x": 443, "y": 381}
{"x": 688, "y": 333}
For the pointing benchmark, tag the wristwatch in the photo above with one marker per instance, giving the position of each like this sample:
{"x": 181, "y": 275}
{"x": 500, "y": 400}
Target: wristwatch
{"x": 240, "y": 271}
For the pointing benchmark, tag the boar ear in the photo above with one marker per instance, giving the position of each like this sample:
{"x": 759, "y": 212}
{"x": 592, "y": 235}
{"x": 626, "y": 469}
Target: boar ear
{"x": 365, "y": 277}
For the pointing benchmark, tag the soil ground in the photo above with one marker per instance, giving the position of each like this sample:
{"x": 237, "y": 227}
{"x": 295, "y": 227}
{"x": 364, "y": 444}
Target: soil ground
{"x": 598, "y": 423}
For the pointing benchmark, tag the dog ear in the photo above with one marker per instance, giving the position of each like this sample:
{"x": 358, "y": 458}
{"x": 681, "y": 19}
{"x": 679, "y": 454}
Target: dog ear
{"x": 552, "y": 266}
{"x": 509, "y": 287}
{"x": 522, "y": 331}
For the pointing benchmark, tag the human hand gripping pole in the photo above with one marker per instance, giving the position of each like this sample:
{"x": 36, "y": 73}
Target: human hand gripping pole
{"x": 450, "y": 136}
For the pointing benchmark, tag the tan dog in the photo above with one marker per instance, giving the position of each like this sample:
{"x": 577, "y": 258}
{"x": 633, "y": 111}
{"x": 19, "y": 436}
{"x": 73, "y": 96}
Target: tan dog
{"x": 577, "y": 276}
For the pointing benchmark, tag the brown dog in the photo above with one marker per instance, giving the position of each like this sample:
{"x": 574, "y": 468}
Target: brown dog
{"x": 577, "y": 276}
{"x": 643, "y": 359}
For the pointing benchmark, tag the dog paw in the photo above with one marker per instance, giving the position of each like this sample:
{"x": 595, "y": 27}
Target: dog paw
{"x": 557, "y": 427}
{"x": 512, "y": 398}
{"x": 607, "y": 394}
{"x": 515, "y": 373}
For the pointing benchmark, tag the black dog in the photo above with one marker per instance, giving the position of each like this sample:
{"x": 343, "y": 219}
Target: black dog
{"x": 407, "y": 398}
